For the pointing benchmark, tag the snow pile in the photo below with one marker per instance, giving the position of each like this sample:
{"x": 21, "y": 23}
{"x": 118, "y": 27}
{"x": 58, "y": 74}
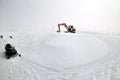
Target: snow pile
{"x": 61, "y": 56}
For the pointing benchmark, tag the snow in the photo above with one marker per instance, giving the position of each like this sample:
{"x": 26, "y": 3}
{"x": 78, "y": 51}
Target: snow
{"x": 60, "y": 56}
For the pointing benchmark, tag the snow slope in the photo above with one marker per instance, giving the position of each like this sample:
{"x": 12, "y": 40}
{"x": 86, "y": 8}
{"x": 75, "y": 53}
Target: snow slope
{"x": 64, "y": 56}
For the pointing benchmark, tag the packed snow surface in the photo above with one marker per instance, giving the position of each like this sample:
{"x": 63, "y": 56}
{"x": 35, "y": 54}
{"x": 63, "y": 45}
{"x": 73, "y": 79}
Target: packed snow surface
{"x": 44, "y": 54}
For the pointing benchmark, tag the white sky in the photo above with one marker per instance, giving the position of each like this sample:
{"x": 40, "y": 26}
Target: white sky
{"x": 42, "y": 15}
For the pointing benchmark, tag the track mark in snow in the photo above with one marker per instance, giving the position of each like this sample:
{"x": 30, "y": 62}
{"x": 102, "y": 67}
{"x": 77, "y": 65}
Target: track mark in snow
{"x": 29, "y": 61}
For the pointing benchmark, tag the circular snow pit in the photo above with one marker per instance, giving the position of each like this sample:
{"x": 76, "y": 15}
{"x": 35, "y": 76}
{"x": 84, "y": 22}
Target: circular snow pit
{"x": 66, "y": 50}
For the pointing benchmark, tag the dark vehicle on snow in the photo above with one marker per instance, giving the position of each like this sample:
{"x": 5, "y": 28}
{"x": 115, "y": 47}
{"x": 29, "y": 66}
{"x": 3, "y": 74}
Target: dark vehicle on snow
{"x": 10, "y": 51}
